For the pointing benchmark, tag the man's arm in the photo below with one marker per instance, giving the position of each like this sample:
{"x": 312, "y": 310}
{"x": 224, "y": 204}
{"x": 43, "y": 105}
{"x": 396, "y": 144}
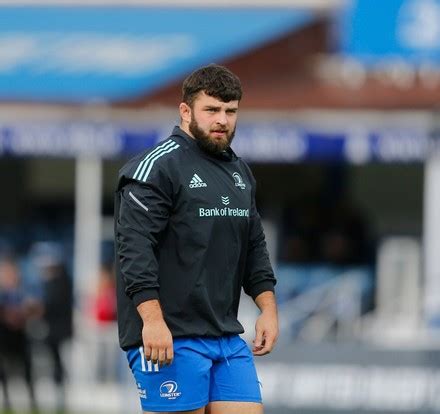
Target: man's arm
{"x": 259, "y": 276}
{"x": 259, "y": 281}
{"x": 142, "y": 217}
{"x": 156, "y": 337}
{"x": 266, "y": 327}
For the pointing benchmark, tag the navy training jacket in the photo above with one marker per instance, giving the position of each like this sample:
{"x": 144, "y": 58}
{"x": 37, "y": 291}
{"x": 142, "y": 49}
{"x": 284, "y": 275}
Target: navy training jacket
{"x": 187, "y": 233}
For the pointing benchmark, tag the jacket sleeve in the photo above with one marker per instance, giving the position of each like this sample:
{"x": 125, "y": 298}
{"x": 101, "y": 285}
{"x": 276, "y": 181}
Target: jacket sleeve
{"x": 259, "y": 276}
{"x": 144, "y": 210}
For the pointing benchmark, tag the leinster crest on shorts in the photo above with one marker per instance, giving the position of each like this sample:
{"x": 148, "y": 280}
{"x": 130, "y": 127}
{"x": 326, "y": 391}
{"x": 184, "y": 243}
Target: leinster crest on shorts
{"x": 168, "y": 389}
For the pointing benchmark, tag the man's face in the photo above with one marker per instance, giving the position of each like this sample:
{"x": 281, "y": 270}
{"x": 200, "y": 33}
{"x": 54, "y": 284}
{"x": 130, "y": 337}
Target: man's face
{"x": 213, "y": 122}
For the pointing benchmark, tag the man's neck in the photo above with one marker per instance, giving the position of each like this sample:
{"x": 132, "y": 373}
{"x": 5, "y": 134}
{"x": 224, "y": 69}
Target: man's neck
{"x": 185, "y": 128}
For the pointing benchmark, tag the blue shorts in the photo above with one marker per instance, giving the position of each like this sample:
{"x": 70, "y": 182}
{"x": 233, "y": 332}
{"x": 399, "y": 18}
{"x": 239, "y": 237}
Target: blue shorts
{"x": 203, "y": 370}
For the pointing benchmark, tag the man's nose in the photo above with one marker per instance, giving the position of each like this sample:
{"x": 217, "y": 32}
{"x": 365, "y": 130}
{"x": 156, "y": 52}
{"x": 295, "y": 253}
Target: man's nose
{"x": 222, "y": 118}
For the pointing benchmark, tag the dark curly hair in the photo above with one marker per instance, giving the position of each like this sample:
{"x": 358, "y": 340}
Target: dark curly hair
{"x": 215, "y": 80}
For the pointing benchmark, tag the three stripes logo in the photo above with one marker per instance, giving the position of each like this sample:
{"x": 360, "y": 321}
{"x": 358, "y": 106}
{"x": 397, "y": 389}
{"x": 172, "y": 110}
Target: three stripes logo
{"x": 145, "y": 166}
{"x": 225, "y": 200}
{"x": 197, "y": 182}
{"x": 147, "y": 366}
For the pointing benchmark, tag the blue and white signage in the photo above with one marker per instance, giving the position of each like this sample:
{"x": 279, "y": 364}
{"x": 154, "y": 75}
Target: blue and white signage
{"x": 392, "y": 29}
{"x": 110, "y": 53}
{"x": 256, "y": 142}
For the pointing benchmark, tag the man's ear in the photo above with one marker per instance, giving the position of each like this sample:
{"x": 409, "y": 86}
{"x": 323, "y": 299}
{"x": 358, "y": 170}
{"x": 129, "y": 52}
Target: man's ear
{"x": 185, "y": 112}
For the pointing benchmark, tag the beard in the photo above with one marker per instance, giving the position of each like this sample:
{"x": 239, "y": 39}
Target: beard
{"x": 208, "y": 143}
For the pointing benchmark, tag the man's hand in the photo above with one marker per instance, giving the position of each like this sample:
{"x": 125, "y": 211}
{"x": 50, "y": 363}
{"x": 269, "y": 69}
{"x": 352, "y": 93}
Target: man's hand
{"x": 266, "y": 327}
{"x": 158, "y": 343}
{"x": 156, "y": 337}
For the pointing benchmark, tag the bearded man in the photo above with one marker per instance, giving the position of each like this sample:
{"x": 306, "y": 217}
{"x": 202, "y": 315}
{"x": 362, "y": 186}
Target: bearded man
{"x": 188, "y": 239}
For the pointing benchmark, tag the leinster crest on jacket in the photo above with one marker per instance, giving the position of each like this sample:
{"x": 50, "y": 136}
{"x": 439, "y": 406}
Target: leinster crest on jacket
{"x": 239, "y": 181}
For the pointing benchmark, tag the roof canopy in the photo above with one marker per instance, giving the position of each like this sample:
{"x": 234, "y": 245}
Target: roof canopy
{"x": 92, "y": 54}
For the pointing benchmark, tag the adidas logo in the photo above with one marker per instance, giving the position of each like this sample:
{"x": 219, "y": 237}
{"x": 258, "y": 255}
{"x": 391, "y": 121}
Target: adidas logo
{"x": 197, "y": 182}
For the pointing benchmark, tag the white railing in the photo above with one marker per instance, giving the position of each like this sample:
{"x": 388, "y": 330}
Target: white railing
{"x": 331, "y": 309}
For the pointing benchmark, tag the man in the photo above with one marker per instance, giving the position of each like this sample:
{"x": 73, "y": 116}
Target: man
{"x": 188, "y": 238}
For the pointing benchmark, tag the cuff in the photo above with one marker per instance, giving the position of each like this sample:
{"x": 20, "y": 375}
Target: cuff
{"x": 264, "y": 286}
{"x": 144, "y": 295}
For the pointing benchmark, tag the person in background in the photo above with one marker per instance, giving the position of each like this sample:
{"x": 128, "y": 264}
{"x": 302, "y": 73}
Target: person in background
{"x": 16, "y": 308}
{"x": 103, "y": 307}
{"x": 105, "y": 298}
{"x": 57, "y": 301}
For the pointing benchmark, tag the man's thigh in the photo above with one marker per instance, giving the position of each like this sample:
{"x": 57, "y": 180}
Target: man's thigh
{"x": 181, "y": 387}
{"x": 224, "y": 407}
{"x": 198, "y": 411}
{"x": 233, "y": 407}
{"x": 234, "y": 377}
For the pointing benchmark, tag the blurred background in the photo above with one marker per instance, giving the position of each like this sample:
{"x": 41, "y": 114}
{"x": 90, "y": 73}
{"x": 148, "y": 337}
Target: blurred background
{"x": 340, "y": 122}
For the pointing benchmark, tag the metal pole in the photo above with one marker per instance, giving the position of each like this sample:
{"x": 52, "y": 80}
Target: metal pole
{"x": 431, "y": 240}
{"x": 88, "y": 195}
